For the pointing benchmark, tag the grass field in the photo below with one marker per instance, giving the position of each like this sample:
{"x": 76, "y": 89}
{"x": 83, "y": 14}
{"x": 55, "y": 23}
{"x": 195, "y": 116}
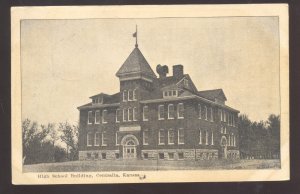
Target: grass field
{"x": 131, "y": 165}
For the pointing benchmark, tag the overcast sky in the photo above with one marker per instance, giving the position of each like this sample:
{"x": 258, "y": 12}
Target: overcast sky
{"x": 64, "y": 62}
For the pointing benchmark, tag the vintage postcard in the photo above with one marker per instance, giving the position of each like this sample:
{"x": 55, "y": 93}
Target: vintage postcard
{"x": 143, "y": 94}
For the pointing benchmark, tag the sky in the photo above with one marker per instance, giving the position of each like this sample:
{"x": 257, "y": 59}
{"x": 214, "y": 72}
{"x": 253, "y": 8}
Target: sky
{"x": 64, "y": 62}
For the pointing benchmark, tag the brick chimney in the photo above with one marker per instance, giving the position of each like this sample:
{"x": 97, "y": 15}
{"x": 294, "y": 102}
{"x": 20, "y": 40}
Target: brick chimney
{"x": 178, "y": 71}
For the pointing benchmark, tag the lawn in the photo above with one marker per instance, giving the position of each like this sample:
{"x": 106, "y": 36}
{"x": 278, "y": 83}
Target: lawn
{"x": 141, "y": 165}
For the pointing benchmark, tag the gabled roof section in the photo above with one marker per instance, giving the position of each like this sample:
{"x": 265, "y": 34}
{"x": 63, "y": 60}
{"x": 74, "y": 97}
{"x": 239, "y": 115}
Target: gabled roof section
{"x": 136, "y": 63}
{"x": 212, "y": 94}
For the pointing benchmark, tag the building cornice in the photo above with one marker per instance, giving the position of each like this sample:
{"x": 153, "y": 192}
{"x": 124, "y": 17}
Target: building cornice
{"x": 92, "y": 106}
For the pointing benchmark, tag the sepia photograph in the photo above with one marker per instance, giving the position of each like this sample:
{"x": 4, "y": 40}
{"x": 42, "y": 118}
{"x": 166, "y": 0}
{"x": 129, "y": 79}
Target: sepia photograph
{"x": 120, "y": 95}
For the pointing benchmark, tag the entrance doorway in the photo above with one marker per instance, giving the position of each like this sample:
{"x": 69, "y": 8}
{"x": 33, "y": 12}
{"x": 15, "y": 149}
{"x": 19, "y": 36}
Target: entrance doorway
{"x": 129, "y": 150}
{"x": 129, "y": 143}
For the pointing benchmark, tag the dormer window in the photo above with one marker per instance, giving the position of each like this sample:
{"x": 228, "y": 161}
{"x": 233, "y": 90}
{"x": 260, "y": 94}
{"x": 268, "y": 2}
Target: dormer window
{"x": 186, "y": 83}
{"x": 97, "y": 100}
{"x": 170, "y": 93}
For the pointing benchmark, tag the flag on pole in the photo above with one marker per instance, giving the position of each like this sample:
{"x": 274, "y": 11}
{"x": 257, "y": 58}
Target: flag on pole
{"x": 134, "y": 34}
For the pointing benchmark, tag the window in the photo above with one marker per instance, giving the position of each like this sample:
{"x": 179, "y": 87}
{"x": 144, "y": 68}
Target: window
{"x": 180, "y": 136}
{"x": 117, "y": 139}
{"x": 171, "y": 111}
{"x": 229, "y": 140}
{"x": 146, "y": 156}
{"x": 117, "y": 155}
{"x": 124, "y": 96}
{"x": 161, "y": 137}
{"x": 170, "y": 93}
{"x": 180, "y": 155}
{"x": 171, "y": 156}
{"x": 96, "y": 155}
{"x": 180, "y": 111}
{"x": 222, "y": 130}
{"x": 97, "y": 117}
{"x": 135, "y": 114}
{"x": 233, "y": 121}
{"x": 170, "y": 136}
{"x": 118, "y": 115}
{"x": 186, "y": 82}
{"x": 211, "y": 114}
{"x": 199, "y": 109}
{"x": 206, "y": 137}
{"x": 234, "y": 142}
{"x": 145, "y": 137}
{"x": 161, "y": 112}
{"x": 225, "y": 130}
{"x": 89, "y": 139}
{"x": 165, "y": 93}
{"x": 97, "y": 139}
{"x": 145, "y": 113}
{"x": 89, "y": 155}
{"x": 130, "y": 95}
{"x": 130, "y": 114}
{"x": 125, "y": 114}
{"x": 200, "y": 136}
{"x": 161, "y": 156}
{"x": 103, "y": 155}
{"x": 134, "y": 94}
{"x": 212, "y": 138}
{"x": 90, "y": 117}
{"x": 221, "y": 114}
{"x": 104, "y": 139}
{"x": 104, "y": 116}
{"x": 205, "y": 112}
{"x": 224, "y": 115}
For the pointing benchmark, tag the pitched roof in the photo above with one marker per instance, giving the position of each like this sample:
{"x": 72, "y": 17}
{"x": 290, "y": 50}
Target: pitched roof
{"x": 171, "y": 80}
{"x": 136, "y": 63}
{"x": 212, "y": 94}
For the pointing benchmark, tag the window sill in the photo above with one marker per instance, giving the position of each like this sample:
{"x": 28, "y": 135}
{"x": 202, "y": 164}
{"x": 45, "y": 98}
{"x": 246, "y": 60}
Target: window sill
{"x": 161, "y": 119}
{"x": 90, "y": 123}
{"x": 161, "y": 144}
{"x": 145, "y": 120}
{"x": 180, "y": 117}
{"x": 89, "y": 145}
{"x": 104, "y": 145}
{"x": 104, "y": 122}
{"x": 97, "y": 123}
{"x": 170, "y": 118}
{"x": 170, "y": 143}
{"x": 145, "y": 144}
{"x": 180, "y": 143}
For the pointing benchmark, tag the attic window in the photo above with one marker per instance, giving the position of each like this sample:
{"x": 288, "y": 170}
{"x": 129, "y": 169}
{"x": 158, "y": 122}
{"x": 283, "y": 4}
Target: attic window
{"x": 186, "y": 83}
{"x": 170, "y": 93}
{"x": 97, "y": 100}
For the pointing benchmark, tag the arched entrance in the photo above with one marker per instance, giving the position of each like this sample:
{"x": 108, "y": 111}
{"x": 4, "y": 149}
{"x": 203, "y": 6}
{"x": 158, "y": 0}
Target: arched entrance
{"x": 129, "y": 143}
{"x": 224, "y": 147}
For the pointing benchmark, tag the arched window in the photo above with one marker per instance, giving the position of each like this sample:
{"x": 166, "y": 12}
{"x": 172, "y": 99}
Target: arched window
{"x": 199, "y": 111}
{"x": 200, "y": 136}
{"x": 161, "y": 112}
{"x": 205, "y": 112}
{"x": 135, "y": 114}
{"x": 124, "y": 96}
{"x": 145, "y": 113}
{"x": 211, "y": 114}
{"x": 206, "y": 137}
{"x": 134, "y": 95}
{"x": 104, "y": 116}
{"x": 171, "y": 114}
{"x": 212, "y": 138}
{"x": 180, "y": 111}
{"x": 130, "y": 95}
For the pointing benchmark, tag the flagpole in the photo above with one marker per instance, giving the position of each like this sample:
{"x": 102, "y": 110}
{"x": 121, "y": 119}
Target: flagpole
{"x": 136, "y": 43}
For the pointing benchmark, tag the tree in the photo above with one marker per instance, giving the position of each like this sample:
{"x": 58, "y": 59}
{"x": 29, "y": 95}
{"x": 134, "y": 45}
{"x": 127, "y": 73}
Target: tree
{"x": 273, "y": 127}
{"x": 33, "y": 138}
{"x": 70, "y": 138}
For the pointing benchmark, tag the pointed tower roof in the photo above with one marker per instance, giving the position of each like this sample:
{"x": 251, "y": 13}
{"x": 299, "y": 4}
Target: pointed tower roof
{"x": 136, "y": 64}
